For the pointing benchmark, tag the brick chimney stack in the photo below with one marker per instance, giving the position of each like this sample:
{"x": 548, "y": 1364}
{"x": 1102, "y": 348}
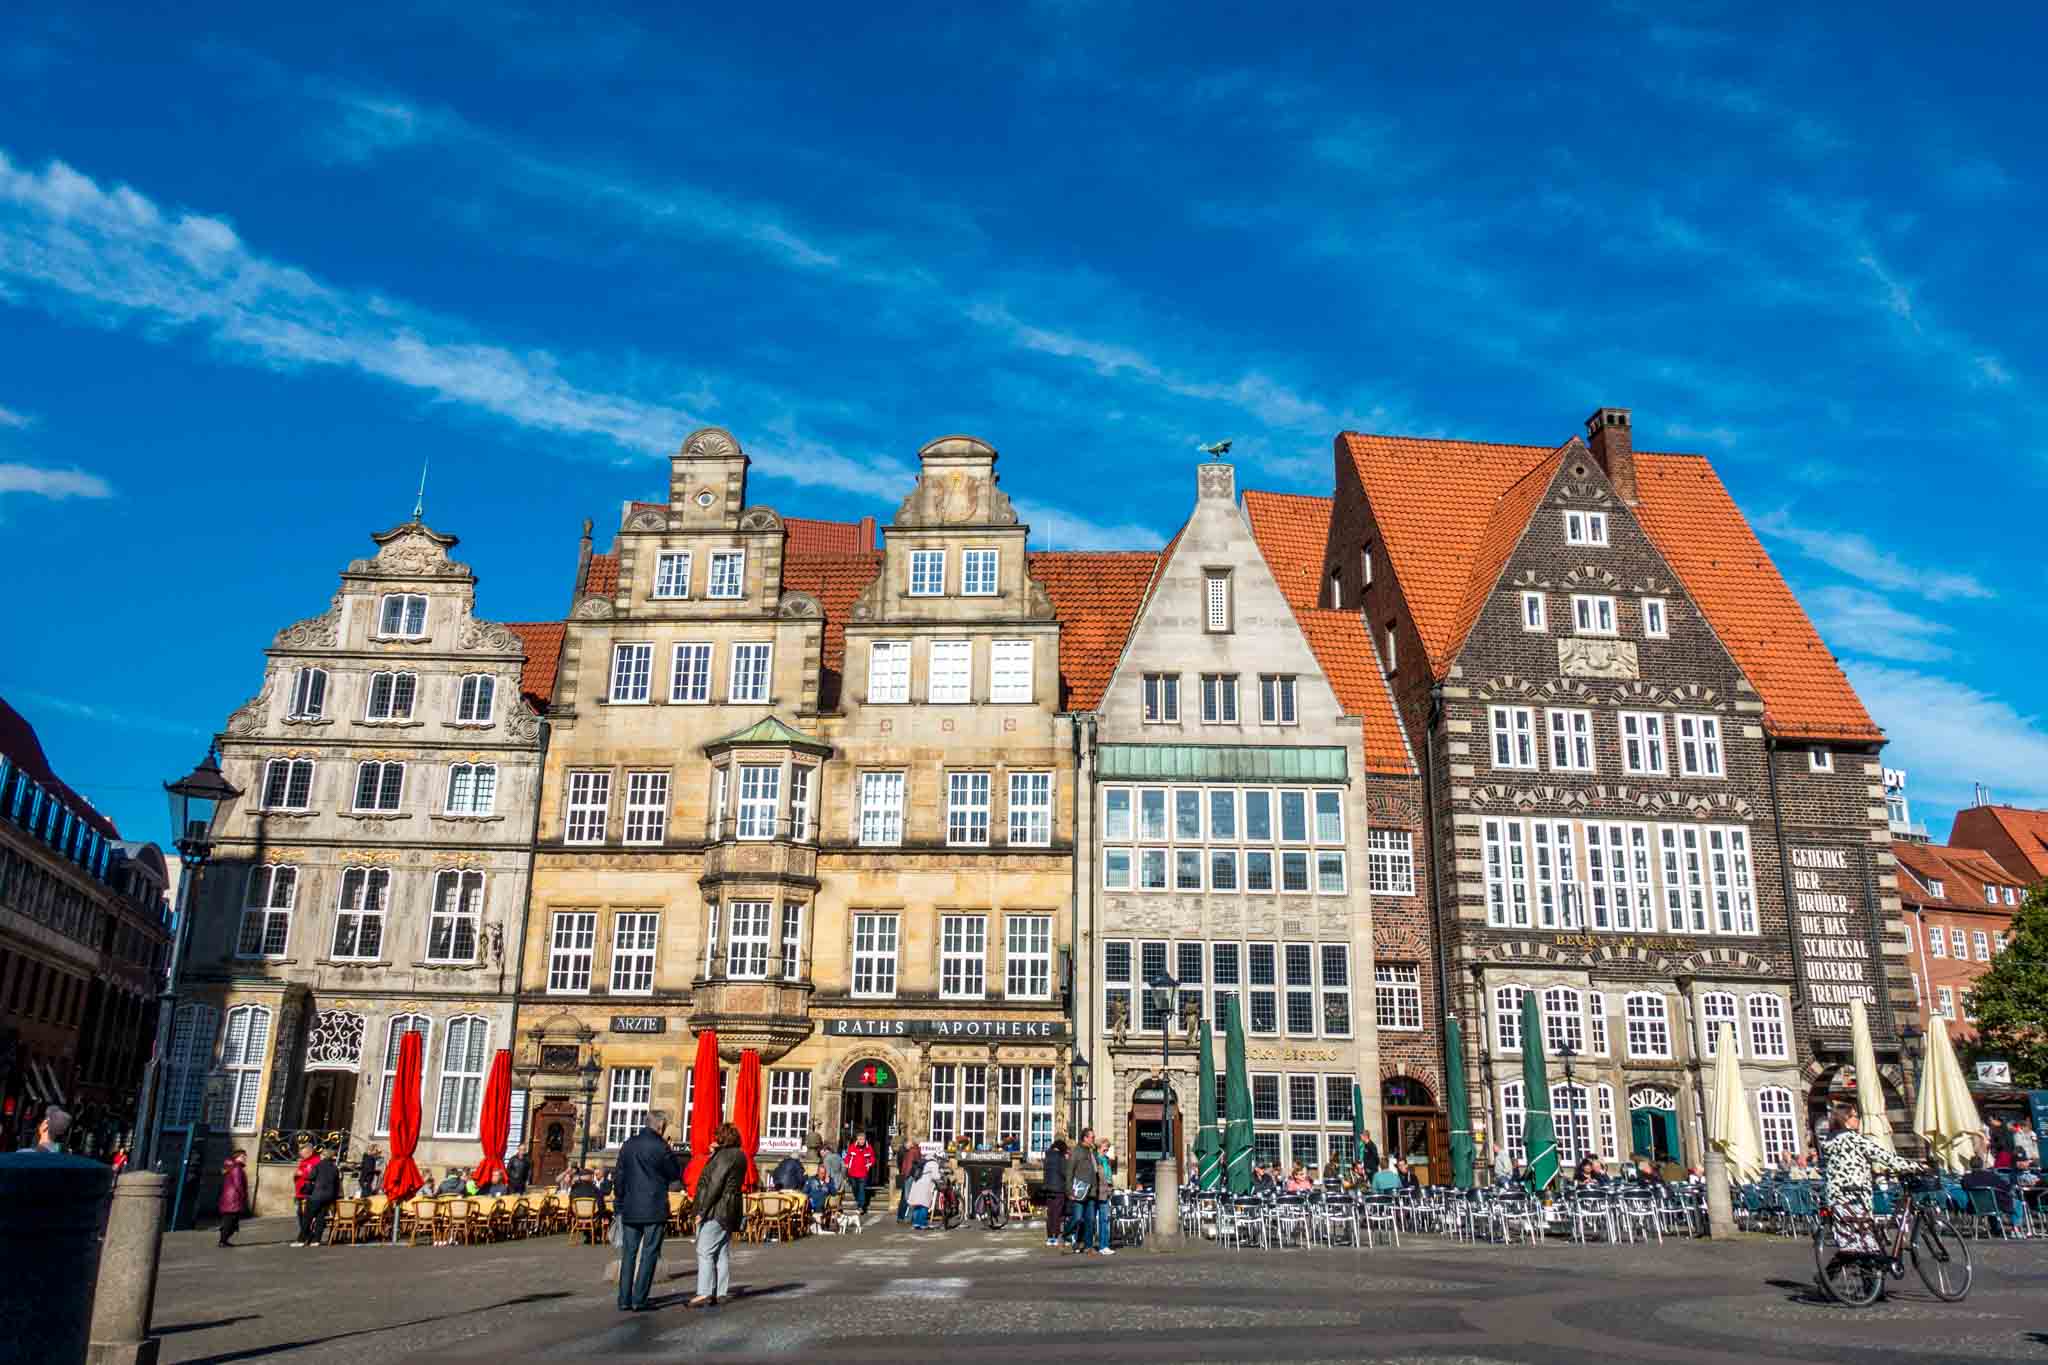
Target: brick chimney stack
{"x": 1607, "y": 434}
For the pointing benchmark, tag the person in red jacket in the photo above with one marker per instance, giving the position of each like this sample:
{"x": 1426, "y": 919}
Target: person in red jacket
{"x": 302, "y": 1190}
{"x": 860, "y": 1164}
{"x": 234, "y": 1195}
{"x": 907, "y": 1167}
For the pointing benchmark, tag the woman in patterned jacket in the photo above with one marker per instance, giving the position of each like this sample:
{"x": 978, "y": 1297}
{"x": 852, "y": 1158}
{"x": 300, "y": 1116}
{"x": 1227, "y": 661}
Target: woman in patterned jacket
{"x": 1852, "y": 1159}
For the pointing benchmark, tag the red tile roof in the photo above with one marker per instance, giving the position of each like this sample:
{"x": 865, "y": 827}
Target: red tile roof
{"x": 603, "y": 578}
{"x": 835, "y": 580}
{"x": 1293, "y": 533}
{"x": 543, "y": 657}
{"x": 802, "y": 535}
{"x": 1097, "y": 596}
{"x": 19, "y": 743}
{"x": 1962, "y": 872}
{"x": 1993, "y": 829}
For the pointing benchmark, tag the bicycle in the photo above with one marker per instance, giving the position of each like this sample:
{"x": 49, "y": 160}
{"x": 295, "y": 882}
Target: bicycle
{"x": 1856, "y": 1277}
{"x": 992, "y": 1209}
{"x": 947, "y": 1207}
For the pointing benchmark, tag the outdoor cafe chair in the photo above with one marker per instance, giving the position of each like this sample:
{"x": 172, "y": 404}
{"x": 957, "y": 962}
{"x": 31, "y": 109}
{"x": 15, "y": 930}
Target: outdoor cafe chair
{"x": 583, "y": 1218}
{"x": 1339, "y": 1214}
{"x": 416, "y": 1219}
{"x": 1637, "y": 1213}
{"x": 1590, "y": 1215}
{"x": 1290, "y": 1219}
{"x": 1248, "y": 1223}
{"x": 1518, "y": 1214}
{"x": 1379, "y": 1214}
{"x": 377, "y": 1218}
{"x": 1987, "y": 1219}
{"x": 345, "y": 1223}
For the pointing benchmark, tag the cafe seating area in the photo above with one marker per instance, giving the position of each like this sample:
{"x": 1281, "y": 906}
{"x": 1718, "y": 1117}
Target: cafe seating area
{"x": 466, "y": 1220}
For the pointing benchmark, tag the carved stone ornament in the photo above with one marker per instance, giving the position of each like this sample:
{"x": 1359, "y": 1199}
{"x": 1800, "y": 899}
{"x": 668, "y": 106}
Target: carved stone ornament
{"x": 335, "y": 1041}
{"x": 248, "y": 717}
{"x": 1214, "y": 479}
{"x": 488, "y": 637}
{"x": 759, "y": 519}
{"x": 956, "y": 497}
{"x": 315, "y": 632}
{"x": 593, "y": 608}
{"x": 523, "y": 724}
{"x": 411, "y": 551}
{"x": 710, "y": 443}
{"x": 1580, "y": 657}
{"x": 647, "y": 519}
{"x": 800, "y": 604}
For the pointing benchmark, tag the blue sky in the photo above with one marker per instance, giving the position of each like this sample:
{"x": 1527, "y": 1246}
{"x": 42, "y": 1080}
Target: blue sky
{"x": 253, "y": 272}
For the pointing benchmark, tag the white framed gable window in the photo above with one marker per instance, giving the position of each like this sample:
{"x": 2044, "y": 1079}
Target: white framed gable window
{"x": 391, "y": 696}
{"x": 1162, "y": 698}
{"x": 1216, "y": 616}
{"x": 881, "y": 809}
{"x": 689, "y": 679}
{"x": 1821, "y": 761}
{"x": 967, "y": 808}
{"x": 288, "y": 784}
{"x": 1219, "y": 698}
{"x": 1655, "y": 625}
{"x": 1009, "y": 671}
{"x": 1030, "y": 809}
{"x": 1535, "y": 612}
{"x": 672, "y": 574}
{"x": 728, "y": 574}
{"x": 309, "y": 694}
{"x": 472, "y": 788}
{"x": 1585, "y": 528}
{"x": 1699, "y": 746}
{"x": 750, "y": 672}
{"x": 1571, "y": 741}
{"x": 952, "y": 671}
{"x": 1642, "y": 744}
{"x": 888, "y": 671}
{"x": 1593, "y": 614}
{"x": 1276, "y": 699}
{"x": 402, "y": 616}
{"x": 927, "y": 573}
{"x": 632, "y": 668}
{"x": 475, "y": 699}
{"x": 1514, "y": 736}
{"x": 978, "y": 577}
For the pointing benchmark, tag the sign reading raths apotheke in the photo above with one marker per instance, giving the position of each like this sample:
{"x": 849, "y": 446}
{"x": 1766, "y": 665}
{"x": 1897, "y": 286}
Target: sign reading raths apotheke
{"x": 968, "y": 1030}
{"x": 1834, "y": 935}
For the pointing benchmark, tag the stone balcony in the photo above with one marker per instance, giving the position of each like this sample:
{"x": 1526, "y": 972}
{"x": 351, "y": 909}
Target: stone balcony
{"x": 770, "y": 1016}
{"x": 760, "y": 862}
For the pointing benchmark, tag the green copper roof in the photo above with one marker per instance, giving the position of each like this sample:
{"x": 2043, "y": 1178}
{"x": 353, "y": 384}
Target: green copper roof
{"x": 1220, "y": 763}
{"x": 770, "y": 730}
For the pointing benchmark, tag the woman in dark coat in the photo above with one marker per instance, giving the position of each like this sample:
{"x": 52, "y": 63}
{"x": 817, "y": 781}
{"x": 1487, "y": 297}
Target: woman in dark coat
{"x": 234, "y": 1195}
{"x": 1055, "y": 1191}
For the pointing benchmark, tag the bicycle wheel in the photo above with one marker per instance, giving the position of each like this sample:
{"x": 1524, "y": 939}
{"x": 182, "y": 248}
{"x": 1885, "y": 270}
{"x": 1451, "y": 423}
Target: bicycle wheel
{"x": 993, "y": 1212}
{"x": 1942, "y": 1258}
{"x": 953, "y": 1209}
{"x": 1843, "y": 1276}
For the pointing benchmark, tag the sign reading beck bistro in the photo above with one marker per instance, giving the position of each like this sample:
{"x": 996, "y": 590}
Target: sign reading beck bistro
{"x": 1834, "y": 939}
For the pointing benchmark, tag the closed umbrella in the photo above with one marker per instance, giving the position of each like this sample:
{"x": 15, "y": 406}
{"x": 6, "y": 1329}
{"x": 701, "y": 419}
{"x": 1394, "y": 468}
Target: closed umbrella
{"x": 1732, "y": 1126}
{"x": 1208, "y": 1147}
{"x": 703, "y": 1106}
{"x": 1357, "y": 1121}
{"x": 401, "y": 1176}
{"x": 1460, "y": 1103}
{"x": 1237, "y": 1104}
{"x": 1539, "y": 1134}
{"x": 1945, "y": 1113}
{"x": 1869, "y": 1085}
{"x": 746, "y": 1113}
{"x": 494, "y": 1124}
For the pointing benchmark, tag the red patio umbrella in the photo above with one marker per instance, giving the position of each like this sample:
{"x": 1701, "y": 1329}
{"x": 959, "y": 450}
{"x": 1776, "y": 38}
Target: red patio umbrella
{"x": 494, "y": 1124}
{"x": 746, "y": 1113}
{"x": 401, "y": 1176}
{"x": 703, "y": 1106}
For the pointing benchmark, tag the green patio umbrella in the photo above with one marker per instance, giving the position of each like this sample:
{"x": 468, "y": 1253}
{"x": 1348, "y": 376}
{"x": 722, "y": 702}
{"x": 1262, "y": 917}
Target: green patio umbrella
{"x": 1539, "y": 1134}
{"x": 1460, "y": 1102}
{"x": 1237, "y": 1104}
{"x": 1208, "y": 1147}
{"x": 1357, "y": 1120}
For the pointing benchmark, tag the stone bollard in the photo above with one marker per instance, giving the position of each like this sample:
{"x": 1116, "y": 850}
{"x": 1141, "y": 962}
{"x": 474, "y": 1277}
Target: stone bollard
{"x": 1720, "y": 1202}
{"x": 127, "y": 1282}
{"x": 50, "y": 1244}
{"x": 1166, "y": 1196}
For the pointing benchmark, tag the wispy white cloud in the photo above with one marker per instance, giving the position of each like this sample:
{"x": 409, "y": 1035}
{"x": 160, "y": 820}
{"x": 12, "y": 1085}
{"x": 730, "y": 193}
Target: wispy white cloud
{"x": 1949, "y": 735}
{"x": 17, "y": 420}
{"x": 1854, "y": 554}
{"x": 366, "y": 127}
{"x": 1863, "y": 622}
{"x": 101, "y": 715}
{"x": 1056, "y": 528}
{"x": 1723, "y": 436}
{"x": 55, "y": 484}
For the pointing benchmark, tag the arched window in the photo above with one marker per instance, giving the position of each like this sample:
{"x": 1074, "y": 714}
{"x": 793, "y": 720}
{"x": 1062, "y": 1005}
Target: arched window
{"x": 1717, "y": 1008}
{"x": 1564, "y": 1021}
{"x": 1571, "y": 1111}
{"x": 244, "y": 1045}
{"x": 1507, "y": 1019}
{"x": 1649, "y": 1026}
{"x": 1766, "y": 1027}
{"x": 400, "y": 1026}
{"x": 1779, "y": 1127}
{"x": 462, "y": 1076}
{"x": 474, "y": 700}
{"x": 1510, "y": 1136}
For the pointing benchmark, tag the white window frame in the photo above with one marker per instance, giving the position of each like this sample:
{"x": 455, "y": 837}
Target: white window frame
{"x": 1507, "y": 1018}
{"x": 802, "y": 786}
{"x": 280, "y": 777}
{"x": 1718, "y": 1008}
{"x": 881, "y": 808}
{"x": 462, "y": 1075}
{"x": 1937, "y": 941}
{"x": 760, "y": 801}
{"x": 383, "y": 799}
{"x": 476, "y": 699}
{"x": 587, "y": 806}
{"x": 1397, "y": 996}
{"x": 789, "y": 941}
{"x": 244, "y": 1041}
{"x": 458, "y": 904}
{"x": 949, "y": 675}
{"x": 1027, "y": 957}
{"x": 1656, "y": 619}
{"x": 1585, "y": 528}
{"x": 472, "y": 789}
{"x": 1011, "y": 671}
{"x": 689, "y": 674}
{"x": 728, "y": 580}
{"x": 363, "y": 895}
{"x": 636, "y": 938}
{"x": 981, "y": 573}
{"x": 1699, "y": 747}
{"x": 309, "y": 695}
{"x": 888, "y": 672}
{"x": 267, "y": 902}
{"x": 1162, "y": 698}
{"x": 632, "y": 678}
{"x": 1572, "y": 749}
{"x": 1512, "y": 739}
{"x": 1980, "y": 945}
{"x": 411, "y": 624}
{"x": 1390, "y": 862}
{"x": 1593, "y": 613}
{"x": 400, "y": 1025}
{"x": 1777, "y": 1123}
{"x": 968, "y": 799}
{"x": 1216, "y": 604}
{"x": 389, "y": 710}
{"x": 1219, "y": 699}
{"x": 646, "y": 806}
{"x": 1648, "y": 1027}
{"x": 748, "y": 924}
{"x": 876, "y": 943}
{"x": 1535, "y": 613}
{"x": 1030, "y": 809}
{"x": 752, "y": 672}
{"x": 1644, "y": 752}
{"x": 1277, "y": 697}
{"x": 963, "y": 957}
{"x": 789, "y": 1109}
{"x": 627, "y": 1100}
{"x": 927, "y": 584}
{"x": 1769, "y": 1033}
{"x": 671, "y": 575}
{"x": 572, "y": 951}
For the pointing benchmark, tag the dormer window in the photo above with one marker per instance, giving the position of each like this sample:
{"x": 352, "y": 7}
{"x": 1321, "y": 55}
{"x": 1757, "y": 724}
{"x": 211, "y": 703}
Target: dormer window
{"x": 728, "y": 573}
{"x": 1585, "y": 528}
{"x": 978, "y": 573}
{"x": 672, "y": 574}
{"x": 927, "y": 573}
{"x": 403, "y": 615}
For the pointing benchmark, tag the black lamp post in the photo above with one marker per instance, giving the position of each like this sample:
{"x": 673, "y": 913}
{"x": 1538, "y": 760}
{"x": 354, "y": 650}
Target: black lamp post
{"x": 1077, "y": 1071}
{"x": 194, "y": 799}
{"x": 1566, "y": 1053}
{"x": 1162, "y": 987}
{"x": 590, "y": 1071}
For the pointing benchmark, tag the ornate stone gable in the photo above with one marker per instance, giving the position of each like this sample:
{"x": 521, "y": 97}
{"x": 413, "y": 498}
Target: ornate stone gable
{"x": 411, "y": 550}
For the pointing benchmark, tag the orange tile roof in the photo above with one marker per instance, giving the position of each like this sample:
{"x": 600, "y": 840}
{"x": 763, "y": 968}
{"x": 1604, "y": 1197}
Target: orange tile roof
{"x": 1962, "y": 872}
{"x": 803, "y": 535}
{"x": 1097, "y": 596}
{"x": 1294, "y": 534}
{"x": 2026, "y": 829}
{"x": 604, "y": 575}
{"x": 1517, "y": 503}
{"x": 543, "y": 657}
{"x": 835, "y": 580}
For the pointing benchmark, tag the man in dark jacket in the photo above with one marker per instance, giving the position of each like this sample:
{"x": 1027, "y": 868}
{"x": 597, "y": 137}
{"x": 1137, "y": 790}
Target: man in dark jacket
{"x": 789, "y": 1174}
{"x": 641, "y": 1178}
{"x": 519, "y": 1170}
{"x": 907, "y": 1166}
{"x": 1055, "y": 1191}
{"x": 1369, "y": 1157}
{"x": 321, "y": 1191}
{"x": 720, "y": 1209}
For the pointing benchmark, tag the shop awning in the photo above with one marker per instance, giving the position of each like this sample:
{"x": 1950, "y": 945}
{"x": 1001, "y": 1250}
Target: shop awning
{"x": 1221, "y": 763}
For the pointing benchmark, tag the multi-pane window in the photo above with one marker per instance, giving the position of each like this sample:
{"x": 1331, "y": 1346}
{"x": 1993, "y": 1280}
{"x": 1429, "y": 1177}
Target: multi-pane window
{"x": 472, "y": 788}
{"x": 689, "y": 678}
{"x": 1699, "y": 746}
{"x": 789, "y": 1109}
{"x": 309, "y": 694}
{"x": 1512, "y": 1122}
{"x": 1116, "y": 983}
{"x": 1030, "y": 809}
{"x": 1980, "y": 943}
{"x": 391, "y": 696}
{"x": 646, "y": 807}
{"x": 1514, "y": 737}
{"x": 1162, "y": 698}
{"x": 572, "y": 944}
{"x": 632, "y": 672}
{"x": 750, "y": 672}
{"x": 1219, "y": 698}
{"x": 1717, "y": 1008}
{"x": 963, "y": 956}
{"x": 458, "y": 908}
{"x": 359, "y": 913}
{"x": 746, "y": 940}
{"x": 728, "y": 573}
{"x": 1276, "y": 699}
{"x": 760, "y": 797}
{"x": 1571, "y": 741}
{"x": 394, "y": 1036}
{"x": 1728, "y": 861}
{"x": 1766, "y": 1027}
{"x": 978, "y": 573}
{"x": 874, "y": 955}
{"x": 1957, "y": 943}
{"x": 634, "y": 937}
{"x": 959, "y": 1098}
{"x": 1397, "y": 994}
{"x": 1507, "y": 872}
{"x": 288, "y": 784}
{"x": 379, "y": 786}
{"x": 1027, "y": 957}
{"x": 1024, "y": 1108}
{"x": 242, "y": 1048}
{"x": 588, "y": 808}
{"x": 402, "y": 615}
{"x": 1009, "y": 671}
{"x": 1335, "y": 990}
{"x": 1216, "y": 602}
{"x": 791, "y": 941}
{"x": 463, "y": 1052}
{"x": 626, "y": 1103}
{"x": 1564, "y": 1022}
{"x": 1390, "y": 862}
{"x": 952, "y": 671}
{"x": 1596, "y": 1015}
{"x": 1507, "y": 1019}
{"x": 1654, "y": 625}
{"x": 475, "y": 699}
{"x": 1649, "y": 1026}
{"x": 1535, "y": 615}
{"x": 1642, "y": 744}
{"x": 927, "y": 573}
{"x": 889, "y": 671}
{"x": 1585, "y": 528}
{"x": 1177, "y": 815}
{"x": 1593, "y": 614}
{"x": 881, "y": 808}
{"x": 672, "y": 573}
{"x": 1572, "y": 1117}
{"x": 1779, "y": 1124}
{"x": 267, "y": 910}
{"x": 800, "y": 775}
{"x": 1263, "y": 999}
{"x": 967, "y": 808}
{"x": 1947, "y": 996}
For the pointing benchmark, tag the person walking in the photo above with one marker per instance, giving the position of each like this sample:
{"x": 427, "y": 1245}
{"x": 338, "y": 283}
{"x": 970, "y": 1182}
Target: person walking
{"x": 834, "y": 1167}
{"x": 519, "y": 1170}
{"x": 1369, "y": 1156}
{"x": 302, "y": 1191}
{"x": 120, "y": 1161}
{"x": 860, "y": 1168}
{"x": 1087, "y": 1186}
{"x": 922, "y": 1192}
{"x": 234, "y": 1194}
{"x": 645, "y": 1167}
{"x": 1055, "y": 1191}
{"x": 322, "y": 1189}
{"x": 367, "y": 1171}
{"x": 720, "y": 1208}
{"x": 910, "y": 1165}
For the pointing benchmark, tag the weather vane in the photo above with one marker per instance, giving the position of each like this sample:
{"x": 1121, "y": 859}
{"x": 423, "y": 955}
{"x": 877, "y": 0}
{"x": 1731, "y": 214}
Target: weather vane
{"x": 1217, "y": 451}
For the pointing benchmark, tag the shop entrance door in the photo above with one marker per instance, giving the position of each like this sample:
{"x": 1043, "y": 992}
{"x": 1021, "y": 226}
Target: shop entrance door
{"x": 330, "y": 1101}
{"x": 867, "y": 1104}
{"x": 555, "y": 1148}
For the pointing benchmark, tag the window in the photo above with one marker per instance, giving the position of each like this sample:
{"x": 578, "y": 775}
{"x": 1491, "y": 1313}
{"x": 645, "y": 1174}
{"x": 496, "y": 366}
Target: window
{"x": 750, "y": 672}
{"x": 287, "y": 784}
{"x": 1116, "y": 982}
{"x": 1699, "y": 746}
{"x": 1572, "y": 1118}
{"x": 1947, "y": 997}
{"x": 572, "y": 943}
{"x": 1767, "y": 1027}
{"x": 967, "y": 808}
{"x": 952, "y": 671}
{"x": 400, "y": 1026}
{"x": 1397, "y": 994}
{"x": 1535, "y": 614}
{"x": 1980, "y": 942}
{"x": 458, "y": 908}
{"x": 1162, "y": 698}
{"x": 1365, "y": 566}
{"x": 1263, "y": 999}
{"x": 1937, "y": 941}
{"x": 1514, "y": 737}
{"x": 589, "y": 807}
{"x": 1956, "y": 942}
{"x": 646, "y": 807}
{"x": 672, "y": 573}
{"x": 1219, "y": 698}
{"x": 1649, "y": 1026}
{"x": 1024, "y": 1110}
{"x": 1654, "y": 627}
{"x": 1392, "y": 659}
{"x": 1511, "y": 1121}
{"x": 1336, "y": 990}
{"x": 1596, "y": 1015}
{"x": 2011, "y": 896}
{"x": 1276, "y": 699}
{"x": 800, "y": 824}
{"x": 889, "y": 671}
{"x": 1585, "y": 528}
{"x": 475, "y": 698}
{"x": 760, "y": 796}
{"x": 627, "y": 1102}
{"x": 1027, "y": 957}
{"x": 791, "y": 942}
{"x": 391, "y": 696}
{"x": 1571, "y": 741}
{"x": 241, "y": 1060}
{"x": 881, "y": 809}
{"x": 1779, "y": 1128}
{"x": 379, "y": 786}
{"x": 978, "y": 573}
{"x": 1564, "y": 1021}
{"x": 1216, "y": 601}
{"x": 1390, "y": 862}
{"x": 927, "y": 573}
{"x": 462, "y": 1076}
{"x": 959, "y": 1103}
{"x": 963, "y": 956}
{"x": 359, "y": 913}
{"x": 746, "y": 943}
{"x": 728, "y": 573}
{"x": 1990, "y": 894}
{"x": 1301, "y": 1014}
{"x": 193, "y": 1031}
{"x": 1939, "y": 888}
{"x": 1717, "y": 1008}
{"x": 1593, "y": 614}
{"x": 1030, "y": 809}
{"x": 1009, "y": 671}
{"x": 633, "y": 939}
{"x": 1917, "y": 997}
{"x": 1642, "y": 743}
{"x": 403, "y": 615}
{"x": 689, "y": 679}
{"x": 309, "y": 694}
{"x": 1507, "y": 873}
{"x": 1820, "y": 760}
{"x": 472, "y": 788}
{"x": 632, "y": 668}
{"x": 789, "y": 1110}
{"x": 874, "y": 956}
{"x": 710, "y": 939}
{"x": 267, "y": 910}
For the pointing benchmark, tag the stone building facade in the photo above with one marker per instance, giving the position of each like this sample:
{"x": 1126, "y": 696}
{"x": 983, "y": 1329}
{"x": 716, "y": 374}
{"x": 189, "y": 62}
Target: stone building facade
{"x": 372, "y": 878}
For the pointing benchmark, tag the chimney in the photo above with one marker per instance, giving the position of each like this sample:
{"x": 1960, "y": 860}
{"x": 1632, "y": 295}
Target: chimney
{"x": 1607, "y": 434}
{"x": 867, "y": 533}
{"x": 582, "y": 562}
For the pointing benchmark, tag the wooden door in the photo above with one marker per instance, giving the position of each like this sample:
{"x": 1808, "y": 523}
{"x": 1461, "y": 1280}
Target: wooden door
{"x": 554, "y": 1141}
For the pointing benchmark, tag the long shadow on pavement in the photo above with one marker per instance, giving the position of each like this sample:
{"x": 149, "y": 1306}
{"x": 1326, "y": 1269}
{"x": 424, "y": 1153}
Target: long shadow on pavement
{"x": 275, "y": 1347}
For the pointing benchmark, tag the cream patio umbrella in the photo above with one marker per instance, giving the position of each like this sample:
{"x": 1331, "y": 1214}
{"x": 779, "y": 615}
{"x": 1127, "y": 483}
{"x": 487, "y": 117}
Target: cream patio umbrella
{"x": 1945, "y": 1114}
{"x": 1869, "y": 1085}
{"x": 1733, "y": 1131}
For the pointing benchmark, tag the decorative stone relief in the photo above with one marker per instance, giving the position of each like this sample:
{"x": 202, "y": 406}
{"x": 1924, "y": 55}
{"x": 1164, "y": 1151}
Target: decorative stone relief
{"x": 335, "y": 1041}
{"x": 1580, "y": 657}
{"x": 523, "y": 724}
{"x": 955, "y": 497}
{"x": 710, "y": 443}
{"x": 647, "y": 519}
{"x": 488, "y": 637}
{"x": 248, "y": 717}
{"x": 759, "y": 519}
{"x": 411, "y": 551}
{"x": 593, "y": 608}
{"x": 800, "y": 604}
{"x": 315, "y": 632}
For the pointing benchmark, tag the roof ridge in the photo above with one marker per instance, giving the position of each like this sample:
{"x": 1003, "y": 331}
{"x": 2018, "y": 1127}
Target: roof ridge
{"x": 1443, "y": 440}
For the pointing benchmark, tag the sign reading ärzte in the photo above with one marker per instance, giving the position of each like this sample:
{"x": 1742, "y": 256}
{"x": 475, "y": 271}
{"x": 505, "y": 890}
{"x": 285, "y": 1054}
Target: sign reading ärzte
{"x": 1833, "y": 943}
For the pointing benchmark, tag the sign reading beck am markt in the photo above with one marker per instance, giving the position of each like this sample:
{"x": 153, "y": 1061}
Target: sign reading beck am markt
{"x": 1834, "y": 937}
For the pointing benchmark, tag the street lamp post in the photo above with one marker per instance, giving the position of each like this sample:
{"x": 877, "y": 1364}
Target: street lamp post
{"x": 1566, "y": 1053}
{"x": 1077, "y": 1072}
{"x": 590, "y": 1071}
{"x": 1166, "y": 1172}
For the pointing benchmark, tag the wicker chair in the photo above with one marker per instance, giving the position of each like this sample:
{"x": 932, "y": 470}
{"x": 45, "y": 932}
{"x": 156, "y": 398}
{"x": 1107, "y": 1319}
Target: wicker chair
{"x": 584, "y": 1219}
{"x": 416, "y": 1216}
{"x": 452, "y": 1221}
{"x": 345, "y": 1223}
{"x": 377, "y": 1217}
